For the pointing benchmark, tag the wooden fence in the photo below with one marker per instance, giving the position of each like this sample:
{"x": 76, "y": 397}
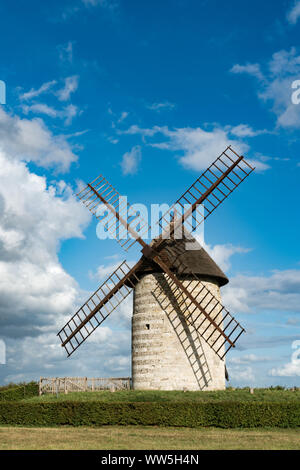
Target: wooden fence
{"x": 81, "y": 384}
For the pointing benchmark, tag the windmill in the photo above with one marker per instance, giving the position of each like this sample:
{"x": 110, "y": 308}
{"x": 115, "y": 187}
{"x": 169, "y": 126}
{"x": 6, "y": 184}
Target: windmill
{"x": 181, "y": 332}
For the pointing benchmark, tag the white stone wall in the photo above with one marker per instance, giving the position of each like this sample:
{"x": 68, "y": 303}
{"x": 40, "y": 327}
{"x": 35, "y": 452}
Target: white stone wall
{"x": 168, "y": 353}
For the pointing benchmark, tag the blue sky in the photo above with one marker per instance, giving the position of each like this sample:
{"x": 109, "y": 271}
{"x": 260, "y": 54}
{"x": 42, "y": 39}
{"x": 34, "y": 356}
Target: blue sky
{"x": 148, "y": 94}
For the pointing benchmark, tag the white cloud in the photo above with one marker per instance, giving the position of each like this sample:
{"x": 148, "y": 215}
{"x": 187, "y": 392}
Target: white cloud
{"x": 37, "y": 296}
{"x": 165, "y": 105}
{"x": 103, "y": 271}
{"x": 243, "y": 130}
{"x": 249, "y": 358}
{"x": 241, "y": 374}
{"x": 292, "y": 368}
{"x": 29, "y": 358}
{"x": 71, "y": 85}
{"x": 25, "y": 139}
{"x": 198, "y": 146}
{"x": 134, "y": 129}
{"x": 294, "y": 13}
{"x": 34, "y": 288}
{"x": 276, "y": 87}
{"x": 107, "y": 4}
{"x": 222, "y": 254}
{"x": 123, "y": 116}
{"x": 67, "y": 113}
{"x": 34, "y": 93}
{"x": 250, "y": 69}
{"x": 40, "y": 108}
{"x": 130, "y": 160}
{"x": 293, "y": 321}
{"x": 66, "y": 52}
{"x": 278, "y": 291}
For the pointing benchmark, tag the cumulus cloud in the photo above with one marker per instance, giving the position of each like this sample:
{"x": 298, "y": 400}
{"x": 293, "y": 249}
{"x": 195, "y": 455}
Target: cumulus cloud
{"x": 222, "y": 254}
{"x": 28, "y": 359}
{"x": 36, "y": 294}
{"x": 200, "y": 147}
{"x": 292, "y": 368}
{"x": 35, "y": 218}
{"x": 103, "y": 271}
{"x": 25, "y": 139}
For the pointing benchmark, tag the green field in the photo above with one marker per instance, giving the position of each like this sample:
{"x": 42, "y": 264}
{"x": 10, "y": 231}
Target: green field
{"x": 242, "y": 395}
{"x": 145, "y": 437}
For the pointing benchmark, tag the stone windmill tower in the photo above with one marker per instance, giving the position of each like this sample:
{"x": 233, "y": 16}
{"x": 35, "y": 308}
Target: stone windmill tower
{"x": 181, "y": 332}
{"x": 168, "y": 352}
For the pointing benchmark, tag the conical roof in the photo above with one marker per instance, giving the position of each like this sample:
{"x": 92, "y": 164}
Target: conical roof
{"x": 182, "y": 256}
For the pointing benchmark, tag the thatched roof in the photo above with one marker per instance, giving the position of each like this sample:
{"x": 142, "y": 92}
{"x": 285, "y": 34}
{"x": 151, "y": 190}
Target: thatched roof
{"x": 184, "y": 256}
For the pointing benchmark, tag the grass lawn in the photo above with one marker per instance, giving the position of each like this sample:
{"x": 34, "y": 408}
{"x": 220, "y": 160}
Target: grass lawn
{"x": 138, "y": 437}
{"x": 265, "y": 395}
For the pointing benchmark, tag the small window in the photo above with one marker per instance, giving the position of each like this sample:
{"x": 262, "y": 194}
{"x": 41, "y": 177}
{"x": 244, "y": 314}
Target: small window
{"x": 147, "y": 326}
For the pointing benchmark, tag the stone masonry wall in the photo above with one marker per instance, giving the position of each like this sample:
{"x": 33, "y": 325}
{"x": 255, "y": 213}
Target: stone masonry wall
{"x": 167, "y": 352}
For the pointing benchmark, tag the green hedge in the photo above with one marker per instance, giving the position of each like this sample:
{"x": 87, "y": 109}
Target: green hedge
{"x": 19, "y": 392}
{"x": 221, "y": 414}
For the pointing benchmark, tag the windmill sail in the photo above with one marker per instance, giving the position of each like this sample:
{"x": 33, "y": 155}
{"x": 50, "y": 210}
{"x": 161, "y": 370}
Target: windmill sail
{"x": 219, "y": 329}
{"x": 120, "y": 221}
{"x": 223, "y": 176}
{"x": 218, "y": 318}
{"x": 98, "y": 307}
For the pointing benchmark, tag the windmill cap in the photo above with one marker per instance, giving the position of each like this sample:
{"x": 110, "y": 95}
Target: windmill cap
{"x": 182, "y": 256}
